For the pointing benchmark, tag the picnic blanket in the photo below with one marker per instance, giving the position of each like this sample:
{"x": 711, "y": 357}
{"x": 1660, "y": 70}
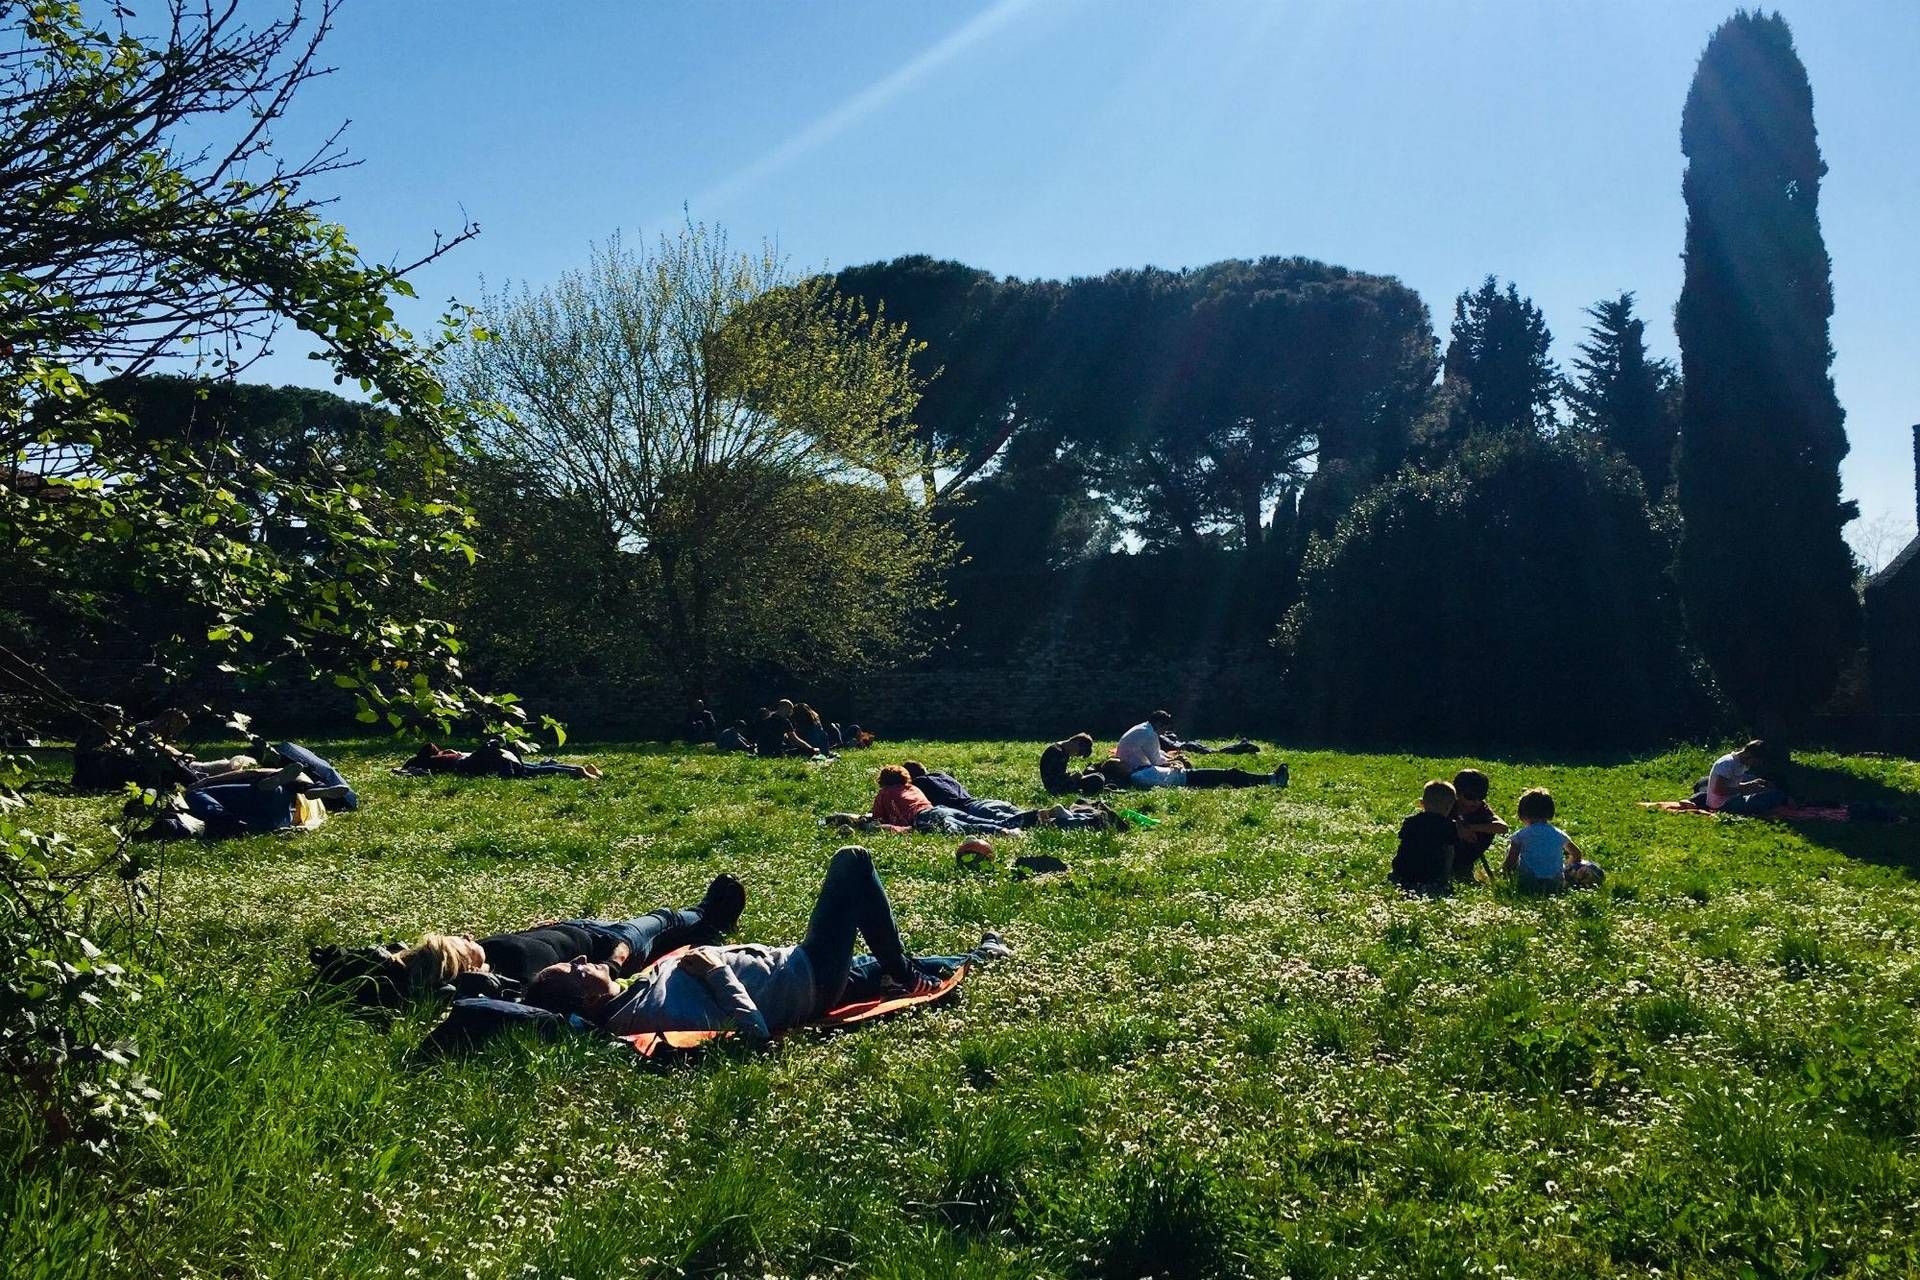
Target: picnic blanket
{"x": 1785, "y": 813}
{"x": 656, "y": 1044}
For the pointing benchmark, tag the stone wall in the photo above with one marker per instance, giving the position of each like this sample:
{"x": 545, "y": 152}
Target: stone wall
{"x": 1051, "y": 698}
{"x": 1048, "y": 696}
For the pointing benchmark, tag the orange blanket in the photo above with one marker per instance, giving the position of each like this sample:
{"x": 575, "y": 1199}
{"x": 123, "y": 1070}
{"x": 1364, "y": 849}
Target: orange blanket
{"x": 653, "y": 1044}
{"x": 1785, "y": 813}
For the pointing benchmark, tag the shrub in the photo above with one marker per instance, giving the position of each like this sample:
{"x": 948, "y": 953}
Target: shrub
{"x": 1517, "y": 595}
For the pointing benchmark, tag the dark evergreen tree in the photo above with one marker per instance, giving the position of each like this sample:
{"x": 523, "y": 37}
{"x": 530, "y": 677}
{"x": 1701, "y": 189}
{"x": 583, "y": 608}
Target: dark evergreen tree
{"x": 1622, "y": 396}
{"x": 1498, "y": 356}
{"x": 1765, "y": 574}
{"x": 1517, "y": 596}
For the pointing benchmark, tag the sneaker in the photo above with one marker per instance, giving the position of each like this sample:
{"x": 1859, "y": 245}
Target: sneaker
{"x": 918, "y": 984}
{"x": 725, "y": 899}
{"x": 992, "y": 947}
{"x": 338, "y": 791}
{"x": 592, "y": 770}
{"x": 1280, "y": 776}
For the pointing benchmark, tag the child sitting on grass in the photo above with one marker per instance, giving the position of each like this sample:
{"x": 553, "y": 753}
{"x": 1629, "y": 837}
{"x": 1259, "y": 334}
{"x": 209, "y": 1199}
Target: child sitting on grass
{"x": 1428, "y": 842}
{"x": 1474, "y": 822}
{"x": 1541, "y": 856}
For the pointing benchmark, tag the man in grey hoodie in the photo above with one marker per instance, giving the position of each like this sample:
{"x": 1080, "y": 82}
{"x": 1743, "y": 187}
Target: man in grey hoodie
{"x": 754, "y": 991}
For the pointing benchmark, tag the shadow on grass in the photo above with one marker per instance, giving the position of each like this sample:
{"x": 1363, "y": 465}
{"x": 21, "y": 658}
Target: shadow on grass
{"x": 1887, "y": 844}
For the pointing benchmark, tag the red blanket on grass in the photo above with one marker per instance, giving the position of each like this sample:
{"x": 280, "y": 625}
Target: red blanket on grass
{"x": 656, "y": 1044}
{"x": 1786, "y": 812}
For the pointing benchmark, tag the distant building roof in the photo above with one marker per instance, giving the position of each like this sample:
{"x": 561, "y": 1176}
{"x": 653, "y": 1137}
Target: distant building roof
{"x": 1897, "y": 568}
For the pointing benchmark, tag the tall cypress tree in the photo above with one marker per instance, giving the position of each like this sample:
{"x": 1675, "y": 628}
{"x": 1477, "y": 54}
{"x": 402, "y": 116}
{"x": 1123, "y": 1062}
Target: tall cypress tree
{"x": 1624, "y": 396}
{"x": 1765, "y": 575}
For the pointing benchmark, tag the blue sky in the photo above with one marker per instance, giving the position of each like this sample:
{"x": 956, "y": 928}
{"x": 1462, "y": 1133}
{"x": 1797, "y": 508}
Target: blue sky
{"x": 1436, "y": 141}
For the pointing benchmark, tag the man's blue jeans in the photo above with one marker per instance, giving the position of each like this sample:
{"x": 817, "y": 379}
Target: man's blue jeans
{"x": 1755, "y": 802}
{"x": 851, "y": 904}
{"x": 319, "y": 770}
{"x": 654, "y": 934}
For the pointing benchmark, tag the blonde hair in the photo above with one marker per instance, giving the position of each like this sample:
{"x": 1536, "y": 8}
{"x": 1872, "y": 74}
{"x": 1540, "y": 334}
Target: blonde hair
{"x": 436, "y": 959}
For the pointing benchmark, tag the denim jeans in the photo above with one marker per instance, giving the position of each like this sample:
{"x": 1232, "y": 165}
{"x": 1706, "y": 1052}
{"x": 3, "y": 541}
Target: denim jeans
{"x": 546, "y": 767}
{"x": 851, "y": 904}
{"x": 865, "y": 981}
{"x": 993, "y": 810}
{"x": 957, "y": 822}
{"x": 231, "y": 803}
{"x": 319, "y": 770}
{"x": 1757, "y": 802}
{"x": 652, "y": 935}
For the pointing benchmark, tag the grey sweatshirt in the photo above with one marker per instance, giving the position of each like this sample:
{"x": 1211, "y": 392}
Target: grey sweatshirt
{"x": 751, "y": 989}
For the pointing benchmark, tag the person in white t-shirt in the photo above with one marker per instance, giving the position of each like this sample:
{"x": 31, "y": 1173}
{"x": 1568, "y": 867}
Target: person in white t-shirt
{"x": 1732, "y": 787}
{"x": 1149, "y": 765}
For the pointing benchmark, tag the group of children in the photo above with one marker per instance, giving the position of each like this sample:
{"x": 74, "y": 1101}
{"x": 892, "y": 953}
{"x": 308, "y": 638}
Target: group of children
{"x": 1454, "y": 828}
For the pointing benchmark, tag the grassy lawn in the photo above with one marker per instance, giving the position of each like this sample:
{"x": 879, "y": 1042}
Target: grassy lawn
{"x": 1225, "y": 1045}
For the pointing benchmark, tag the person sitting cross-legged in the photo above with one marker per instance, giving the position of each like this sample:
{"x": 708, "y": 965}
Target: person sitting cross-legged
{"x": 773, "y": 733}
{"x": 754, "y": 991}
{"x": 1057, "y": 773}
{"x": 1147, "y": 763}
{"x": 1732, "y": 786}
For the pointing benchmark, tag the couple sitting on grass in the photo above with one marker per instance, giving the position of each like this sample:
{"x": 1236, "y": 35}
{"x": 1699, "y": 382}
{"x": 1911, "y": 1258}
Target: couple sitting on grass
{"x": 1454, "y": 827}
{"x": 913, "y": 799}
{"x": 581, "y": 966}
{"x": 1148, "y": 755}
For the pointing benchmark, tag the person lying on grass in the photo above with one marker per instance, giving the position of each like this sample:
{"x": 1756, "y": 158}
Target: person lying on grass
{"x": 899, "y": 805}
{"x": 1147, "y": 763}
{"x": 754, "y": 991}
{"x": 946, "y": 791}
{"x": 1175, "y": 745}
{"x": 492, "y": 759}
{"x": 625, "y": 946}
{"x": 1541, "y": 857}
{"x": 252, "y": 800}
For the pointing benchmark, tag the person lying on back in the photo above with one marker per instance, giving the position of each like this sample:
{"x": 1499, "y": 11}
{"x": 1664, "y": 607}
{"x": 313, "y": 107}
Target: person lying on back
{"x": 947, "y": 792}
{"x": 626, "y": 946}
{"x": 492, "y": 759}
{"x": 754, "y": 991}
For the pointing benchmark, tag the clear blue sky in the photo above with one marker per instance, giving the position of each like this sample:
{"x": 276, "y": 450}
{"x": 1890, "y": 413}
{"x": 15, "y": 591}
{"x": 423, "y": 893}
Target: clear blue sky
{"x": 1434, "y": 140}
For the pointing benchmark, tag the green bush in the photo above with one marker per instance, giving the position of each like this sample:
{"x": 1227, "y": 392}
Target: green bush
{"x": 1517, "y": 595}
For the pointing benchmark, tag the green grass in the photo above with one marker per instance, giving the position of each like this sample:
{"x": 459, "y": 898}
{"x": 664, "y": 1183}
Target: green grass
{"x": 1225, "y": 1046}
